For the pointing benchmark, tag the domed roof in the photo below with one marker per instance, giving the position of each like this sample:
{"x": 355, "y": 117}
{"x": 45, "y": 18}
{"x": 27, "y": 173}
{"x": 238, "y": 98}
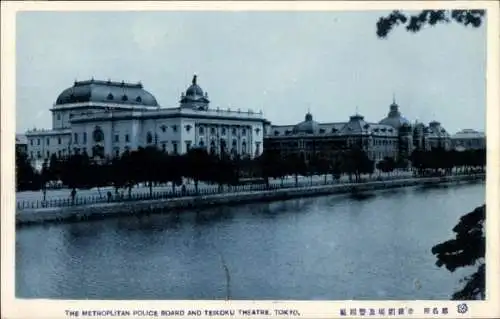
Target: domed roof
{"x": 106, "y": 92}
{"x": 308, "y": 126}
{"x": 394, "y": 118}
{"x": 194, "y": 93}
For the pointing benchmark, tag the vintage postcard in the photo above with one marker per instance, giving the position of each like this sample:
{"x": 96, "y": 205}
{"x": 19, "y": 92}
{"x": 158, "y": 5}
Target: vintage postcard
{"x": 250, "y": 159}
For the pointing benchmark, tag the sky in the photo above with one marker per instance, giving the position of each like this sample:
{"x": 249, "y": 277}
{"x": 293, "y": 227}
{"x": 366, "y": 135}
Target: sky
{"x": 284, "y": 63}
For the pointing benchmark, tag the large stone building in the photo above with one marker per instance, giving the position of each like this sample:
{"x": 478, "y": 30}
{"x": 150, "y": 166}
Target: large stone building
{"x": 468, "y": 139}
{"x": 104, "y": 118}
{"x": 394, "y": 136}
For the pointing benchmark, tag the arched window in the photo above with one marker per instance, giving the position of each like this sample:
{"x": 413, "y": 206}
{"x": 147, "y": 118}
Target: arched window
{"x": 212, "y": 147}
{"x": 201, "y": 130}
{"x": 138, "y": 99}
{"x": 124, "y": 98}
{"x": 201, "y": 143}
{"x": 149, "y": 138}
{"x": 244, "y": 147}
{"x": 110, "y": 96}
{"x": 98, "y": 134}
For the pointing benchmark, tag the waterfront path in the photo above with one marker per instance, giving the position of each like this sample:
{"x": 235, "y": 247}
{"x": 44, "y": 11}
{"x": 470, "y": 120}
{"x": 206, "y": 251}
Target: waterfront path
{"x": 162, "y": 204}
{"x": 65, "y": 193}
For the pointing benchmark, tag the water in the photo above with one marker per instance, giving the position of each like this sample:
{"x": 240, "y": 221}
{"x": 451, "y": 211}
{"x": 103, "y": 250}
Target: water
{"x": 333, "y": 247}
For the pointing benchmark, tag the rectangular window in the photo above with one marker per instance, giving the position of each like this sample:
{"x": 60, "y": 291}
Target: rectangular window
{"x": 48, "y": 154}
{"x": 48, "y": 141}
{"x": 164, "y": 147}
{"x": 127, "y": 138}
{"x": 59, "y": 140}
{"x": 117, "y": 138}
{"x": 175, "y": 148}
{"x": 84, "y": 137}
{"x": 188, "y": 145}
{"x": 31, "y": 142}
{"x": 75, "y": 138}
{"x": 38, "y": 154}
{"x": 117, "y": 152}
{"x": 38, "y": 141}
{"x": 174, "y": 128}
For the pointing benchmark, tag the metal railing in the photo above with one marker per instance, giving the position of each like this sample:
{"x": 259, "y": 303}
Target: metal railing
{"x": 206, "y": 190}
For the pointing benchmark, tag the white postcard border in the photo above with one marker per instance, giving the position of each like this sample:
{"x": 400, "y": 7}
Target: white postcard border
{"x": 18, "y": 308}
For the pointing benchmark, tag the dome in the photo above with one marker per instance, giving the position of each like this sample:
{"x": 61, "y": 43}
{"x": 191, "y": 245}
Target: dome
{"x": 194, "y": 89}
{"x": 194, "y": 93}
{"x": 308, "y": 126}
{"x": 394, "y": 118}
{"x": 106, "y": 92}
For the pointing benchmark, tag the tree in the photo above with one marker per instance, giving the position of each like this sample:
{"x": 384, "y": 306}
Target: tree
{"x": 294, "y": 164}
{"x": 173, "y": 169}
{"x": 45, "y": 178}
{"x": 198, "y": 164}
{"x": 54, "y": 167}
{"x": 415, "y": 22}
{"x": 467, "y": 249}
{"x": 356, "y": 161}
{"x": 75, "y": 171}
{"x": 386, "y": 165}
{"x": 26, "y": 176}
{"x": 269, "y": 164}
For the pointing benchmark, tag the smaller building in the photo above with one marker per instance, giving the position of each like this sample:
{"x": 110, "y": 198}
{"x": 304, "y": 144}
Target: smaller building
{"x": 468, "y": 139}
{"x": 21, "y": 144}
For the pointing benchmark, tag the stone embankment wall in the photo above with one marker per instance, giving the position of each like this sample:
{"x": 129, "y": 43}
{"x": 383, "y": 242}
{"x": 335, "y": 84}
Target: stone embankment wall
{"x": 115, "y": 209}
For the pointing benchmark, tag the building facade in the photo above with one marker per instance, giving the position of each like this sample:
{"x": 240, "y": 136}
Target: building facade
{"x": 104, "y": 119}
{"x": 394, "y": 136}
{"x": 21, "y": 144}
{"x": 468, "y": 139}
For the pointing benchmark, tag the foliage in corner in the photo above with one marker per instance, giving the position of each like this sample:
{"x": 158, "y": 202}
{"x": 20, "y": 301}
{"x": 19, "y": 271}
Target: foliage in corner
{"x": 467, "y": 249}
{"x": 415, "y": 22}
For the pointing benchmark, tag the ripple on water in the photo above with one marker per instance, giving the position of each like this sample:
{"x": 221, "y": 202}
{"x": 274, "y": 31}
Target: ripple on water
{"x": 333, "y": 247}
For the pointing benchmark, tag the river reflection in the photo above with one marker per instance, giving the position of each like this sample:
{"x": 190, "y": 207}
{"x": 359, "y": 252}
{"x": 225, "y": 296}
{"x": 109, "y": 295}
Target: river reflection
{"x": 332, "y": 247}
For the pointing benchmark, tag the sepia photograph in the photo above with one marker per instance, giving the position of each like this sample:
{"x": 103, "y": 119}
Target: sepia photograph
{"x": 239, "y": 155}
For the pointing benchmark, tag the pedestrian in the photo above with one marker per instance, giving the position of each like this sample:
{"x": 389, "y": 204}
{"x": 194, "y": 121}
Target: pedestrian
{"x": 73, "y": 195}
